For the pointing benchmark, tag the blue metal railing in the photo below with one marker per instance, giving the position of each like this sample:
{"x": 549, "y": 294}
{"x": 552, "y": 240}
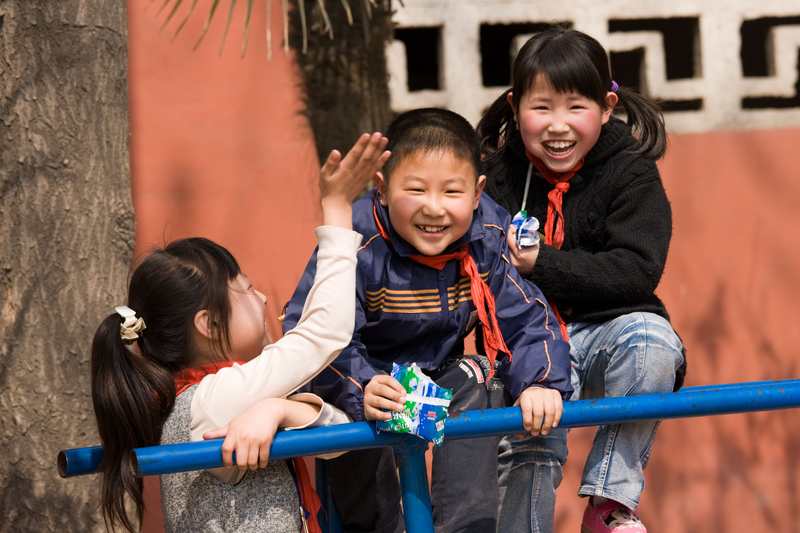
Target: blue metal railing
{"x": 689, "y": 402}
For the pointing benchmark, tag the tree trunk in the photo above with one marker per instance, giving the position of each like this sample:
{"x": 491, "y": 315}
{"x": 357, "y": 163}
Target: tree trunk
{"x": 344, "y": 79}
{"x": 66, "y": 242}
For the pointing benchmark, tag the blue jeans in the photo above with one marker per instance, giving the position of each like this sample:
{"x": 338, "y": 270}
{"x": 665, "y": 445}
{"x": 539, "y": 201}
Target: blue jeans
{"x": 633, "y": 354}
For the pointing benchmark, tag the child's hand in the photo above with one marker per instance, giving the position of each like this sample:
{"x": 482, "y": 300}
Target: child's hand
{"x": 250, "y": 434}
{"x": 341, "y": 180}
{"x": 383, "y": 392}
{"x": 523, "y": 259}
{"x": 541, "y": 409}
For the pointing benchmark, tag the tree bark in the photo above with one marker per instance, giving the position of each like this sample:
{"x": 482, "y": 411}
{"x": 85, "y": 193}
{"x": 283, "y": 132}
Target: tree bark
{"x": 344, "y": 79}
{"x": 66, "y": 243}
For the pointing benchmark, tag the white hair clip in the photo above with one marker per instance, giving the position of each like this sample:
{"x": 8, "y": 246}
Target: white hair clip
{"x": 131, "y": 326}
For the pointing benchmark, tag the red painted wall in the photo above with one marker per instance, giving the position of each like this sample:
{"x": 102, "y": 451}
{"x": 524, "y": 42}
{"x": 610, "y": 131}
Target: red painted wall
{"x": 218, "y": 149}
{"x": 732, "y": 287}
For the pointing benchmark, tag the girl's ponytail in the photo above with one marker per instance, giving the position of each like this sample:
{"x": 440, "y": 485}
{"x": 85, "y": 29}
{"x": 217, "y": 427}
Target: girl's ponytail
{"x": 647, "y": 123}
{"x": 495, "y": 129}
{"x": 131, "y": 395}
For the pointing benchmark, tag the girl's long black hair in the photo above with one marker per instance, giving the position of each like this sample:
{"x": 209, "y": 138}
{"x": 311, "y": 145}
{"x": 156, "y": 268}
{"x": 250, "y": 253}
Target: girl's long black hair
{"x": 133, "y": 393}
{"x": 572, "y": 62}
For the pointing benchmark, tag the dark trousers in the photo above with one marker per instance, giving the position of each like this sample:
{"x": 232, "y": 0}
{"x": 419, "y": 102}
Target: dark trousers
{"x": 464, "y": 490}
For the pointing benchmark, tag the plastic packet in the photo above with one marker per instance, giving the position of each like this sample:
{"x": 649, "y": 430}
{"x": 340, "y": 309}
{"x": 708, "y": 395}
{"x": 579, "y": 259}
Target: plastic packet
{"x": 425, "y": 409}
{"x": 526, "y": 229}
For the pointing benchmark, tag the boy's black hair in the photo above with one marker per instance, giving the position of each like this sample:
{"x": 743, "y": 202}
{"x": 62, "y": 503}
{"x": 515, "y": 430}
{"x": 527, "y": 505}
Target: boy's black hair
{"x": 431, "y": 130}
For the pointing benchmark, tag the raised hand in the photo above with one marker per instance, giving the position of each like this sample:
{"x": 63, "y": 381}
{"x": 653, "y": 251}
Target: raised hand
{"x": 341, "y": 180}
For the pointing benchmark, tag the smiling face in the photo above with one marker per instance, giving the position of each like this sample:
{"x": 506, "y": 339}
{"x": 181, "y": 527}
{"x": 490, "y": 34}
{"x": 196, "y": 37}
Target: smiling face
{"x": 430, "y": 198}
{"x": 248, "y": 331}
{"x": 560, "y": 128}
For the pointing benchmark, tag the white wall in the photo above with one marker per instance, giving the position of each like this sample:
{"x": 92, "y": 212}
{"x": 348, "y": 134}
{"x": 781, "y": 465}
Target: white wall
{"x": 718, "y": 81}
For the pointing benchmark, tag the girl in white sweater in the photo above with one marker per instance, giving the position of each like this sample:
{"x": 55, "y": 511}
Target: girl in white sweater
{"x": 190, "y": 352}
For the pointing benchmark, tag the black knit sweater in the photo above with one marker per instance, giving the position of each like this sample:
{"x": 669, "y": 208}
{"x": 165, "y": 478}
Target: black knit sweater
{"x": 618, "y": 224}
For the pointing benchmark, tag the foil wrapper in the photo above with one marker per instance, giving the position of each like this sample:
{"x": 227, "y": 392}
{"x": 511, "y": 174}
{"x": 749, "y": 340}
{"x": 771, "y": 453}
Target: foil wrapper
{"x": 425, "y": 409}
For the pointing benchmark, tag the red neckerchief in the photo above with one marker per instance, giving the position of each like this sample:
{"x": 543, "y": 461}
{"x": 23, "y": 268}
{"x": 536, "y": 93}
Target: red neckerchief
{"x": 554, "y": 226}
{"x": 308, "y": 497}
{"x": 481, "y": 293}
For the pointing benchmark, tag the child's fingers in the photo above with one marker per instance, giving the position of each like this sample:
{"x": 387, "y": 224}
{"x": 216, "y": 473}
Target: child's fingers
{"x": 538, "y": 417}
{"x": 549, "y": 413}
{"x": 383, "y": 402}
{"x": 371, "y": 413}
{"x": 388, "y": 387}
{"x": 263, "y": 455}
{"x": 357, "y": 150}
{"x": 216, "y": 434}
{"x": 559, "y": 411}
{"x": 334, "y": 158}
{"x": 253, "y": 457}
{"x": 228, "y": 447}
{"x": 511, "y": 237}
{"x": 527, "y": 414}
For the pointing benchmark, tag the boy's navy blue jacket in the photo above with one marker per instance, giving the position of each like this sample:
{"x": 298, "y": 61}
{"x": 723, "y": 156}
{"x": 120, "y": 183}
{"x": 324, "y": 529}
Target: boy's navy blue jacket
{"x": 407, "y": 312}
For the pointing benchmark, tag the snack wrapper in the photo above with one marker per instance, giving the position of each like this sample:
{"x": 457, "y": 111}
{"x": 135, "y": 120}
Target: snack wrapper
{"x": 526, "y": 229}
{"x": 425, "y": 409}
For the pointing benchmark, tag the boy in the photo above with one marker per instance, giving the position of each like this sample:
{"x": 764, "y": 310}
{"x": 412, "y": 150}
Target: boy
{"x": 433, "y": 263}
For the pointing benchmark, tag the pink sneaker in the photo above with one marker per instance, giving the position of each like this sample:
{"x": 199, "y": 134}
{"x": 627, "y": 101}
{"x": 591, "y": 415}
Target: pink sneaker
{"x": 611, "y": 517}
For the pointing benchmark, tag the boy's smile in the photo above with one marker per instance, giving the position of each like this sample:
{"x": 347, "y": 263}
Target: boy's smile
{"x": 430, "y": 197}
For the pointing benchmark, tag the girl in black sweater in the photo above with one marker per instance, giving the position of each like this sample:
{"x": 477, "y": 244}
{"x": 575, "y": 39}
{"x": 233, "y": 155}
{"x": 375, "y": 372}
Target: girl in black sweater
{"x": 554, "y": 150}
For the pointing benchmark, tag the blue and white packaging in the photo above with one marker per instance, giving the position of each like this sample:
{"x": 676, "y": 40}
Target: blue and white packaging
{"x": 526, "y": 229}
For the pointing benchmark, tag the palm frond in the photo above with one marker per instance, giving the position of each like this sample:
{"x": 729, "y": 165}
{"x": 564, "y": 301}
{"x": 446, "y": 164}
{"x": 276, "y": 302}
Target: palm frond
{"x": 327, "y": 27}
{"x": 227, "y": 25}
{"x": 269, "y": 30}
{"x": 349, "y": 13}
{"x": 246, "y": 36}
{"x": 185, "y": 20}
{"x": 171, "y": 13}
{"x": 208, "y": 22}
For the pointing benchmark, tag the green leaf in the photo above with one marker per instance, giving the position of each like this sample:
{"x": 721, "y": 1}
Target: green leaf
{"x": 227, "y": 25}
{"x": 246, "y": 36}
{"x": 160, "y": 9}
{"x": 185, "y": 19}
{"x": 171, "y": 13}
{"x": 208, "y": 21}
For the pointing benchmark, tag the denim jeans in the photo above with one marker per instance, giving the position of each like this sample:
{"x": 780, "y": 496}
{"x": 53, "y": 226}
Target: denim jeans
{"x": 633, "y": 354}
{"x": 464, "y": 490}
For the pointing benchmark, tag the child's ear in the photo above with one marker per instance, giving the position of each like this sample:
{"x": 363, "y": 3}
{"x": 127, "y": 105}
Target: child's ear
{"x": 611, "y": 101}
{"x": 510, "y": 98}
{"x": 478, "y": 190}
{"x": 383, "y": 187}
{"x": 203, "y": 326}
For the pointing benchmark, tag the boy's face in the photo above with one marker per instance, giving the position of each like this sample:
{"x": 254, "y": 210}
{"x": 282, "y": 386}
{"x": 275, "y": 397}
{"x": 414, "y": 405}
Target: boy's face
{"x": 431, "y": 197}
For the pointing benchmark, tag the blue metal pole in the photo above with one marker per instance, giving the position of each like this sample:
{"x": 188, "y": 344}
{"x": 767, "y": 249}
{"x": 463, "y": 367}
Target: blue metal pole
{"x": 414, "y": 487}
{"x": 79, "y": 461}
{"x": 696, "y": 401}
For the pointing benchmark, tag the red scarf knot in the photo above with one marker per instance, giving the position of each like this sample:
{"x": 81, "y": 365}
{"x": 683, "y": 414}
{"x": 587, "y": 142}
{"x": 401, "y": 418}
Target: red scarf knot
{"x": 554, "y": 225}
{"x": 481, "y": 293}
